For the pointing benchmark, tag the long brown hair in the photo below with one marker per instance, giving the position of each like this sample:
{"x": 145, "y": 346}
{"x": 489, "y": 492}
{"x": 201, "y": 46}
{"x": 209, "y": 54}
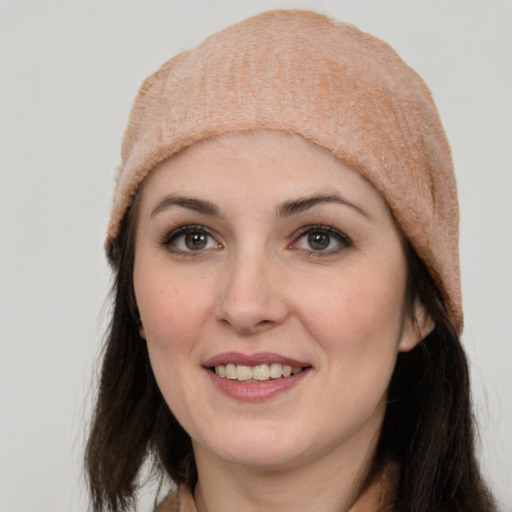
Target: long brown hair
{"x": 428, "y": 427}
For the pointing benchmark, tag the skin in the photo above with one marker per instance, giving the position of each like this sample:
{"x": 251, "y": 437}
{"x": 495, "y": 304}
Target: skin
{"x": 258, "y": 285}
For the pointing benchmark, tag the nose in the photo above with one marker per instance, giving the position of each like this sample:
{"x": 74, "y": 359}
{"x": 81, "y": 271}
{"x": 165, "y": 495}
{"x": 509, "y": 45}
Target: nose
{"x": 250, "y": 298}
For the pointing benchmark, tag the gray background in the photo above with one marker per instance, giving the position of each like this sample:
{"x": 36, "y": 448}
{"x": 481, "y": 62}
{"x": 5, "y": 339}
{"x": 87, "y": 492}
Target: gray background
{"x": 69, "y": 71}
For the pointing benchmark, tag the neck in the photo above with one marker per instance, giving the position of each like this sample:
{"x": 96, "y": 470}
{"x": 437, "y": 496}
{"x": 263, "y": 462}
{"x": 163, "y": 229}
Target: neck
{"x": 330, "y": 483}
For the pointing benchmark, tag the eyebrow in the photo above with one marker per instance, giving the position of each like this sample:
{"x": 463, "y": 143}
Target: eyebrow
{"x": 286, "y": 209}
{"x": 197, "y": 205}
{"x": 295, "y": 206}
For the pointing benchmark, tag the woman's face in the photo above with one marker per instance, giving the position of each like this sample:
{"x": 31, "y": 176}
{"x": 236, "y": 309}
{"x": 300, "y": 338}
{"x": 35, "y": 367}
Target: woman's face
{"x": 259, "y": 254}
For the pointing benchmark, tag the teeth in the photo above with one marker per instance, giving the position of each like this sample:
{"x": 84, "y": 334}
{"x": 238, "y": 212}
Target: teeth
{"x": 231, "y": 371}
{"x": 276, "y": 370}
{"x": 260, "y": 372}
{"x": 243, "y": 372}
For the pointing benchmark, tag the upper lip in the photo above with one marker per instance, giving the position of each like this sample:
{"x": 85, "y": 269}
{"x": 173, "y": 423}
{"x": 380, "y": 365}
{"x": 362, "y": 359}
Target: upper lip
{"x": 252, "y": 359}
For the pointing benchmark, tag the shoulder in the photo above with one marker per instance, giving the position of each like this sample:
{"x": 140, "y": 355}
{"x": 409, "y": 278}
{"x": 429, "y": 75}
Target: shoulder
{"x": 169, "y": 504}
{"x": 181, "y": 502}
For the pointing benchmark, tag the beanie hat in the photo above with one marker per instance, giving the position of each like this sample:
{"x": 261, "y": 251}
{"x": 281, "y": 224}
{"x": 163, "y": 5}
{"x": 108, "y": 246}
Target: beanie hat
{"x": 342, "y": 89}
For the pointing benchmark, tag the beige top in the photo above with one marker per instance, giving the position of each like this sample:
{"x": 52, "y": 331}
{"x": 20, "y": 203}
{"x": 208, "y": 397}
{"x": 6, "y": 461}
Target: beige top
{"x": 379, "y": 497}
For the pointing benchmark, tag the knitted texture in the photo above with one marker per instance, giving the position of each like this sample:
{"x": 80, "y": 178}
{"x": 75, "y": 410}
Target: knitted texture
{"x": 344, "y": 90}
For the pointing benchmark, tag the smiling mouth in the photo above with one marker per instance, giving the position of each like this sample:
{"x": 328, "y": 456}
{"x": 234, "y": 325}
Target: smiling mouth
{"x": 258, "y": 373}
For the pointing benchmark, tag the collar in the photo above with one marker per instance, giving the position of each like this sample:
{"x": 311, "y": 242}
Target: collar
{"x": 378, "y": 497}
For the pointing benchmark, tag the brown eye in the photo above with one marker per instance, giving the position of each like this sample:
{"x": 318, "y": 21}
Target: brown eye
{"x": 322, "y": 241}
{"x": 188, "y": 239}
{"x": 318, "y": 241}
{"x": 196, "y": 241}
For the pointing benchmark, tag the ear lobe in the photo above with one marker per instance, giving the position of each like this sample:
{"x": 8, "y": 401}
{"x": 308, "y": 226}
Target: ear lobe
{"x": 142, "y": 333}
{"x": 140, "y": 325}
{"x": 418, "y": 327}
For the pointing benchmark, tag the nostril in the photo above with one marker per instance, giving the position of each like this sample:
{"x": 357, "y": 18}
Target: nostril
{"x": 249, "y": 303}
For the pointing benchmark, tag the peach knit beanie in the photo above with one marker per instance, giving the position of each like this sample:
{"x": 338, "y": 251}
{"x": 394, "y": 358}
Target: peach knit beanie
{"x": 342, "y": 89}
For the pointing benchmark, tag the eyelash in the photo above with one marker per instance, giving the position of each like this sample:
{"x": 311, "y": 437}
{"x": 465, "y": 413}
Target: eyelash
{"x": 343, "y": 241}
{"x": 172, "y": 239}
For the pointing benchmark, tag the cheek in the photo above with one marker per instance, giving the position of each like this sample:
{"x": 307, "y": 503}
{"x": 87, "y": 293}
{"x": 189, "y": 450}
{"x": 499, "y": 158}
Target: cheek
{"x": 173, "y": 317}
{"x": 172, "y": 310}
{"x": 358, "y": 324}
{"x": 360, "y": 312}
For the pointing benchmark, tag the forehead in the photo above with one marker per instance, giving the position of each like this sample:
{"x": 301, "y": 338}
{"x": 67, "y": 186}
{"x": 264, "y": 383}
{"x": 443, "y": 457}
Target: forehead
{"x": 265, "y": 162}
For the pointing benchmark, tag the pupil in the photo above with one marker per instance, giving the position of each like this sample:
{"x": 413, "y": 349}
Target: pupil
{"x": 195, "y": 241}
{"x": 318, "y": 241}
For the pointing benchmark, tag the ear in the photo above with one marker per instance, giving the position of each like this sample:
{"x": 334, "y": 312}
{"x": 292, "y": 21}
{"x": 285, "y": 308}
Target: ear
{"x": 142, "y": 333}
{"x": 417, "y": 327}
{"x": 138, "y": 319}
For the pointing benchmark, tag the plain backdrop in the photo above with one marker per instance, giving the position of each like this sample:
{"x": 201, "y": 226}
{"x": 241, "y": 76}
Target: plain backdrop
{"x": 69, "y": 71}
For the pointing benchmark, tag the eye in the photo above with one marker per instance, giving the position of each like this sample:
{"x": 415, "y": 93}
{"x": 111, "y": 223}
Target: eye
{"x": 190, "y": 239}
{"x": 323, "y": 240}
{"x": 318, "y": 241}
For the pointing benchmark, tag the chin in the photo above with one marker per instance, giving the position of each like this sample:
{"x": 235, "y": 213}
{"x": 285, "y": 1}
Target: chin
{"x": 257, "y": 447}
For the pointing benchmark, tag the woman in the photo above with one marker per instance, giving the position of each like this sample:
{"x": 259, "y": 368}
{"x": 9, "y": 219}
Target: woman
{"x": 287, "y": 309}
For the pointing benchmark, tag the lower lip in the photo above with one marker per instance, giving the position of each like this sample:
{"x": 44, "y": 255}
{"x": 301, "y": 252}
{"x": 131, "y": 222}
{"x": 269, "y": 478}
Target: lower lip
{"x": 256, "y": 391}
